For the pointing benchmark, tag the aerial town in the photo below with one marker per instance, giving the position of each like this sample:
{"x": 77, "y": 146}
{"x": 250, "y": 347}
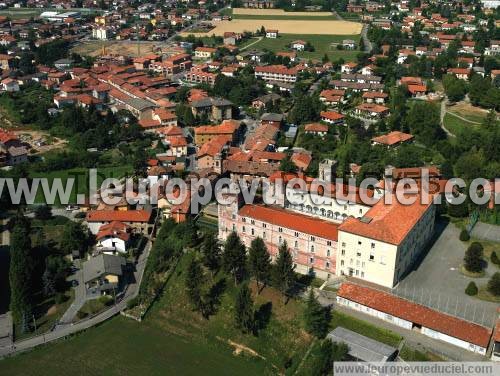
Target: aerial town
{"x": 271, "y": 187}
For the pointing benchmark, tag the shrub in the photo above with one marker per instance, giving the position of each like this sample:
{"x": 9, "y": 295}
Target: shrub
{"x": 133, "y": 302}
{"x": 494, "y": 284}
{"x": 494, "y": 258}
{"x": 471, "y": 289}
{"x": 473, "y": 260}
{"x": 81, "y": 315}
{"x": 60, "y": 298}
{"x": 464, "y": 235}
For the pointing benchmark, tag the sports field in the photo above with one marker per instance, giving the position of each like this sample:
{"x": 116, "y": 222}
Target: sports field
{"x": 284, "y": 26}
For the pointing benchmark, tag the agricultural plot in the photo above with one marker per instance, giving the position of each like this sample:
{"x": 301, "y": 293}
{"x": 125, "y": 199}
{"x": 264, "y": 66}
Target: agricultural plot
{"x": 285, "y": 26}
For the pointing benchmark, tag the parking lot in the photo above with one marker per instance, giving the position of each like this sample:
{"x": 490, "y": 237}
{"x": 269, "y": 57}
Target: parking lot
{"x": 437, "y": 282}
{"x": 486, "y": 232}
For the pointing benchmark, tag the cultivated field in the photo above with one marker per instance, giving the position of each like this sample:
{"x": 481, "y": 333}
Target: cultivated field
{"x": 304, "y": 27}
{"x": 277, "y": 12}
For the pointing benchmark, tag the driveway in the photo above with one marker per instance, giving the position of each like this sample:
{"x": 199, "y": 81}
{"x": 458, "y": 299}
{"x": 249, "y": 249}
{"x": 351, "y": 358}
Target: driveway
{"x": 437, "y": 282}
{"x": 80, "y": 297}
{"x": 486, "y": 231}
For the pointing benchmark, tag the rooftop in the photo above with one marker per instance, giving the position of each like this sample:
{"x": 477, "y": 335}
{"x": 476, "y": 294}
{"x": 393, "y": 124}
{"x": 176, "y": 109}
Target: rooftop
{"x": 416, "y": 313}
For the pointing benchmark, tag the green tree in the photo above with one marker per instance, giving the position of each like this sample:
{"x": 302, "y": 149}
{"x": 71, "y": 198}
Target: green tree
{"x": 43, "y": 212}
{"x": 316, "y": 317}
{"x": 259, "y": 262}
{"x": 473, "y": 260}
{"x": 494, "y": 258}
{"x": 21, "y": 272}
{"x": 454, "y": 88}
{"x": 244, "y": 311}
{"x": 282, "y": 275}
{"x": 286, "y": 165}
{"x": 494, "y": 284}
{"x": 327, "y": 354}
{"x": 211, "y": 252}
{"x": 464, "y": 235}
{"x": 234, "y": 257}
{"x": 194, "y": 281}
{"x": 74, "y": 237}
{"x": 471, "y": 289}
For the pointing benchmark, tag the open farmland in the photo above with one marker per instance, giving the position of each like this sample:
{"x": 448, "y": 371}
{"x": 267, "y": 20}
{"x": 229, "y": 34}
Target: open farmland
{"x": 303, "y": 27}
{"x": 277, "y": 12}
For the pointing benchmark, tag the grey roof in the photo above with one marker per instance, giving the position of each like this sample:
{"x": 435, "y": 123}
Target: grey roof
{"x": 269, "y": 116}
{"x": 207, "y": 102}
{"x": 138, "y": 103}
{"x": 101, "y": 265}
{"x": 361, "y": 347}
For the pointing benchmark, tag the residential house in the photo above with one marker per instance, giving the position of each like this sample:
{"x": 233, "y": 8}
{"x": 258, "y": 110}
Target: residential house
{"x": 104, "y": 275}
{"x": 272, "y": 33}
{"x": 332, "y": 117}
{"x": 371, "y": 111}
{"x": 113, "y": 237}
{"x": 392, "y": 139}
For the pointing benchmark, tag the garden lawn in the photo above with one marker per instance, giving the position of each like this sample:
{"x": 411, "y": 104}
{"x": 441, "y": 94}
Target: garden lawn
{"x": 321, "y": 45}
{"x": 456, "y": 125}
{"x": 81, "y": 176}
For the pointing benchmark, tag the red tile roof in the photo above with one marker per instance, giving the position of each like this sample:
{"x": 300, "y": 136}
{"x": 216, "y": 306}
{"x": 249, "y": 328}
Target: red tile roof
{"x": 331, "y": 115}
{"x": 316, "y": 127}
{"x": 291, "y": 220}
{"x": 393, "y": 138}
{"x": 389, "y": 223}
{"x": 416, "y": 313}
{"x": 116, "y": 228}
{"x": 118, "y": 215}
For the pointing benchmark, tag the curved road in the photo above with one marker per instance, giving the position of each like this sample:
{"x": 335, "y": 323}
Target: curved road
{"x": 62, "y": 331}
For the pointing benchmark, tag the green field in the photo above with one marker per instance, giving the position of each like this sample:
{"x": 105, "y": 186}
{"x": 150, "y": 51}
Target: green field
{"x": 125, "y": 347}
{"x": 321, "y": 45}
{"x": 456, "y": 125}
{"x": 20, "y": 13}
{"x": 175, "y": 340}
{"x": 81, "y": 176}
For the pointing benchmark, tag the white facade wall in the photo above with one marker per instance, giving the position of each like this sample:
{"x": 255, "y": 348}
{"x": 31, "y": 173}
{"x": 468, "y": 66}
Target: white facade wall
{"x": 373, "y": 312}
{"x": 409, "y": 325}
{"x": 333, "y": 209}
{"x": 115, "y": 243}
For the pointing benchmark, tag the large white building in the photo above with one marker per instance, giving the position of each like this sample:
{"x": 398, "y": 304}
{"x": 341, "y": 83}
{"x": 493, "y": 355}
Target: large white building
{"x": 375, "y": 242}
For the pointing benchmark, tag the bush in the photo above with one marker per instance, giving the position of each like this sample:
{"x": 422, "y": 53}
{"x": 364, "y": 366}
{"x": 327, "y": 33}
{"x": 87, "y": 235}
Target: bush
{"x": 494, "y": 258}
{"x": 471, "y": 289}
{"x": 133, "y": 302}
{"x": 464, "y": 235}
{"x": 106, "y": 300}
{"x": 60, "y": 298}
{"x": 494, "y": 284}
{"x": 473, "y": 260}
{"x": 81, "y": 315}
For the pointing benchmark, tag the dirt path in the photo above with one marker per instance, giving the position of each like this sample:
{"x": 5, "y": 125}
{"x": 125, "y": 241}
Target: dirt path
{"x": 462, "y": 118}
{"x": 443, "y": 112}
{"x": 251, "y": 44}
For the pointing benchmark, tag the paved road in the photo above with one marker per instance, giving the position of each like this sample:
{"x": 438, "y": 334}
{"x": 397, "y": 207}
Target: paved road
{"x": 368, "y": 47}
{"x": 80, "y": 297}
{"x": 66, "y": 330}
